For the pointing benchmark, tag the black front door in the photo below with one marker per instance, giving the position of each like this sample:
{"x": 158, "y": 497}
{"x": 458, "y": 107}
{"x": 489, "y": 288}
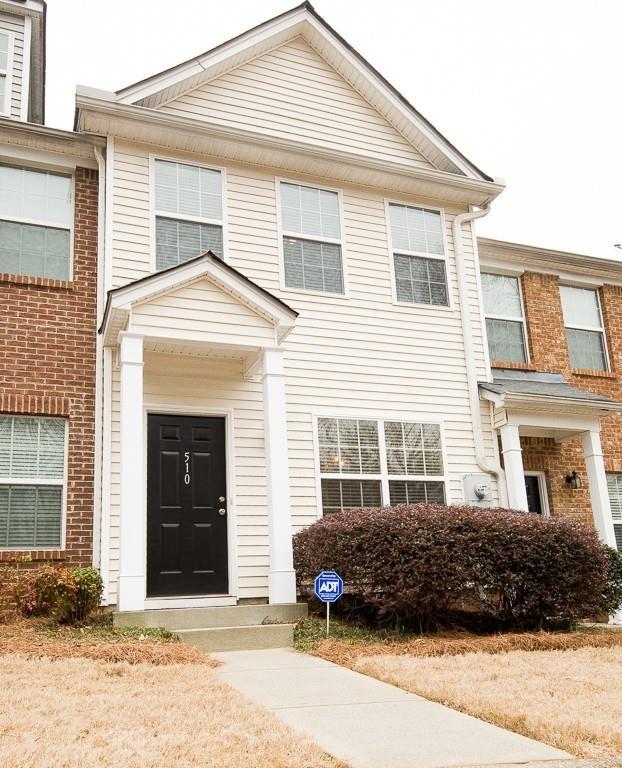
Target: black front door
{"x": 186, "y": 506}
{"x": 534, "y": 501}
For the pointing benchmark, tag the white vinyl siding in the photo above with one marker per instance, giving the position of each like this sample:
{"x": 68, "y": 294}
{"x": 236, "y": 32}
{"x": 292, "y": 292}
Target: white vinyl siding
{"x": 505, "y": 320}
{"x": 188, "y": 212}
{"x": 614, "y": 484}
{"x": 364, "y": 462}
{"x": 585, "y": 334}
{"x": 312, "y": 248}
{"x": 36, "y": 213}
{"x": 32, "y": 482}
{"x": 418, "y": 254}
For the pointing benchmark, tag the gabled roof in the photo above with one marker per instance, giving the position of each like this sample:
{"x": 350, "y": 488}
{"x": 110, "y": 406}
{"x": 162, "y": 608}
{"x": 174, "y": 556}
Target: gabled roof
{"x": 120, "y": 301}
{"x": 304, "y": 21}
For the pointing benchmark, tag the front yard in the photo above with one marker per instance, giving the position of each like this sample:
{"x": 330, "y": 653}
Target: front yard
{"x": 100, "y": 697}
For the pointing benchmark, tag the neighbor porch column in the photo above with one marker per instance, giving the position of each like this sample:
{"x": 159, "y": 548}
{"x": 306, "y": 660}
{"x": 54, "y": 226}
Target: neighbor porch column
{"x": 513, "y": 464}
{"x": 597, "y": 480}
{"x": 281, "y": 579}
{"x": 132, "y": 581}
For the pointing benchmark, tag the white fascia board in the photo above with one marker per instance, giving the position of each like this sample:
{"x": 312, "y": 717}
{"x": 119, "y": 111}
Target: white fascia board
{"x": 558, "y": 404}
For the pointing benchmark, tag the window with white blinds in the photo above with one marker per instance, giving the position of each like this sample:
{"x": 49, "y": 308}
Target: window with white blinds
{"x": 418, "y": 254}
{"x": 368, "y": 463}
{"x": 614, "y": 484}
{"x": 32, "y": 482}
{"x": 585, "y": 333}
{"x": 188, "y": 212}
{"x": 6, "y": 46}
{"x": 36, "y": 215}
{"x": 505, "y": 320}
{"x": 311, "y": 230}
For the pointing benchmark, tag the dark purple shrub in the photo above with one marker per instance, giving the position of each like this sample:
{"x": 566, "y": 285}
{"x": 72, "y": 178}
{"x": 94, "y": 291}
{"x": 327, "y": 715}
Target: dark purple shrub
{"x": 418, "y": 564}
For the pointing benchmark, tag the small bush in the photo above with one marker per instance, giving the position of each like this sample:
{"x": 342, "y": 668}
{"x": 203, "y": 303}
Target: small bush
{"x": 67, "y": 595}
{"x": 417, "y": 565}
{"x": 613, "y": 589}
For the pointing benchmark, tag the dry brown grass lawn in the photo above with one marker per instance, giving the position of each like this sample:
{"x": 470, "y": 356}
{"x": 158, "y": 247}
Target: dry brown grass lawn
{"x": 79, "y": 713}
{"x": 570, "y": 699}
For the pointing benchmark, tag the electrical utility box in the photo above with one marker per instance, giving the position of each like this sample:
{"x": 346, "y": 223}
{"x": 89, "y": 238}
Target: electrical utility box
{"x": 478, "y": 490}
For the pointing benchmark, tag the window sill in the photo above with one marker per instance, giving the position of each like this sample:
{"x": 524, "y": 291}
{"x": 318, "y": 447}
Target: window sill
{"x": 593, "y": 374}
{"x": 32, "y": 555}
{"x": 513, "y": 366}
{"x": 39, "y": 282}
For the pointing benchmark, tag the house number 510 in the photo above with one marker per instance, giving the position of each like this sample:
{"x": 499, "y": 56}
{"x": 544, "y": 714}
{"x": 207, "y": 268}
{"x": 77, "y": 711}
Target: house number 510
{"x": 187, "y": 460}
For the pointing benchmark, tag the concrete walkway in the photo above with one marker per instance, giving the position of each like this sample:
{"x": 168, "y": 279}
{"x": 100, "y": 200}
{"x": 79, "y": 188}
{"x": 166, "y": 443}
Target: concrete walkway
{"x": 369, "y": 724}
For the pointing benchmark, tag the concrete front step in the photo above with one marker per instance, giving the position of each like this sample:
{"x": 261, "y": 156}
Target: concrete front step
{"x": 230, "y": 616}
{"x": 243, "y": 638}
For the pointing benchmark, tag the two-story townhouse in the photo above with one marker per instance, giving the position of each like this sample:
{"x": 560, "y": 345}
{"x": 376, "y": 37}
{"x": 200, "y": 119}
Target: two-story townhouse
{"x": 293, "y": 320}
{"x": 554, "y": 321}
{"x": 48, "y": 295}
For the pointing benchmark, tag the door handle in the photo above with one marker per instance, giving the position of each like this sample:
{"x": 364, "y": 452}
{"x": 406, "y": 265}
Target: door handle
{"x": 221, "y": 499}
{"x": 222, "y": 511}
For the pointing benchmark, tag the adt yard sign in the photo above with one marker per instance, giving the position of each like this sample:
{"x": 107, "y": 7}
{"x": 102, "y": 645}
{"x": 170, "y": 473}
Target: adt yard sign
{"x": 328, "y": 588}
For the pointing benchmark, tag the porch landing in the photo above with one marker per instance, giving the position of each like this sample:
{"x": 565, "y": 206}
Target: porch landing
{"x": 223, "y": 628}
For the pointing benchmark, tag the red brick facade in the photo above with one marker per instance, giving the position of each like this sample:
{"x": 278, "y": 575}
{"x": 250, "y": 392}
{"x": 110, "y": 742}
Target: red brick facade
{"x": 47, "y": 367}
{"x": 549, "y": 353}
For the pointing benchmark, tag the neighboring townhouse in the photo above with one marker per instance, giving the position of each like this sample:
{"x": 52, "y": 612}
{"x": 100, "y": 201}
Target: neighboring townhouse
{"x": 290, "y": 267}
{"x": 48, "y": 295}
{"x": 554, "y": 322}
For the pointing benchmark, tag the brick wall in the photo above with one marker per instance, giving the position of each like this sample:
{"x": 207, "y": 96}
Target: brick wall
{"x": 47, "y": 367}
{"x": 549, "y": 353}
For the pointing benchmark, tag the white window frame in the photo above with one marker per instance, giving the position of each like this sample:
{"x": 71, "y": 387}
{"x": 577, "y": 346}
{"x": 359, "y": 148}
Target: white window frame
{"x": 600, "y": 330}
{"x": 544, "y": 495}
{"x": 34, "y": 481}
{"x": 421, "y": 254}
{"x": 521, "y": 320}
{"x": 282, "y": 233}
{"x": 43, "y": 168}
{"x": 383, "y": 476}
{"x": 153, "y": 211}
{"x": 8, "y": 74}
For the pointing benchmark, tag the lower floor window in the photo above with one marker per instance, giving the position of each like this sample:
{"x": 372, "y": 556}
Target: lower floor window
{"x": 614, "y": 484}
{"x": 370, "y": 463}
{"x": 32, "y": 481}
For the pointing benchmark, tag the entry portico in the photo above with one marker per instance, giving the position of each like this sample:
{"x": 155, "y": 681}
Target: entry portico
{"x": 205, "y": 333}
{"x": 536, "y": 405}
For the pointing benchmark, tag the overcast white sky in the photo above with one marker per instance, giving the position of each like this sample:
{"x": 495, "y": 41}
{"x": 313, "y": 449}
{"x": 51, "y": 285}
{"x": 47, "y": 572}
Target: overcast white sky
{"x": 529, "y": 90}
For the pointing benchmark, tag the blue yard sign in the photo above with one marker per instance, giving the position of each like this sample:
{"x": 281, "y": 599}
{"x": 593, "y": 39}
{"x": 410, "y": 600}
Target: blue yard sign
{"x": 328, "y": 588}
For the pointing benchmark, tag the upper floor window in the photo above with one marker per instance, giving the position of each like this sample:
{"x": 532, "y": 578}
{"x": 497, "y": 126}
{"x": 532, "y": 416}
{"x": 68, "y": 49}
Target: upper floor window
{"x": 585, "y": 334}
{"x": 6, "y": 44}
{"x": 505, "y": 320}
{"x": 614, "y": 484}
{"x": 188, "y": 212}
{"x": 418, "y": 254}
{"x": 367, "y": 463}
{"x": 312, "y": 252}
{"x": 32, "y": 481}
{"x": 36, "y": 213}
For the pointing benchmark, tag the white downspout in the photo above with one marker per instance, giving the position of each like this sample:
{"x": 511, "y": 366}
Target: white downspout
{"x": 492, "y": 468}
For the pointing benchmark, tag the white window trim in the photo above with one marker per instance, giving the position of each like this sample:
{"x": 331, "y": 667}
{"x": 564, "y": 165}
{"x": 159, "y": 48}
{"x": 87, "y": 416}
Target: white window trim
{"x": 153, "y": 211}
{"x": 45, "y": 482}
{"x": 281, "y": 233}
{"x": 544, "y": 496}
{"x": 383, "y": 476}
{"x": 600, "y": 330}
{"x": 8, "y": 75}
{"x": 42, "y": 168}
{"x": 521, "y": 319}
{"x": 422, "y": 254}
{"x": 616, "y": 521}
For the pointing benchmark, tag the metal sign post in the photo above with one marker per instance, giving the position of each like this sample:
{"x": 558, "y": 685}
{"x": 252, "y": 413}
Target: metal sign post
{"x": 328, "y": 588}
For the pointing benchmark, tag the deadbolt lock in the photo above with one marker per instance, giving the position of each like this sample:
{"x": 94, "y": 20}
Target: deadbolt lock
{"x": 221, "y": 499}
{"x": 222, "y": 511}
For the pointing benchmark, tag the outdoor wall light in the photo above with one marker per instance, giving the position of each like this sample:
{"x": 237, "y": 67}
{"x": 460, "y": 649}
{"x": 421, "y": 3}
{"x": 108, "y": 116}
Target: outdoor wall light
{"x": 573, "y": 479}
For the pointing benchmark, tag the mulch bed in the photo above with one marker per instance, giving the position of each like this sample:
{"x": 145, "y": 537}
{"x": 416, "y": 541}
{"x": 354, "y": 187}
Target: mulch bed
{"x": 342, "y": 652}
{"x": 28, "y": 639}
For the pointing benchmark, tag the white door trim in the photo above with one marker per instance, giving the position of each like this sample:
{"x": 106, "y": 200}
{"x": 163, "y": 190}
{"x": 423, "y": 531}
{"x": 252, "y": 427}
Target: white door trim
{"x": 228, "y": 415}
{"x": 544, "y": 496}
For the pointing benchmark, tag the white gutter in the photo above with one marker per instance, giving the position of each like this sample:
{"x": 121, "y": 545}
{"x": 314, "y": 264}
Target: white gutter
{"x": 491, "y": 468}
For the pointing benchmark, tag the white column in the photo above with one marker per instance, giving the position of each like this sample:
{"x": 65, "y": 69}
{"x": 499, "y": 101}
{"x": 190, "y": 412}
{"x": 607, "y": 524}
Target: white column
{"x": 597, "y": 480}
{"x": 282, "y": 578}
{"x": 513, "y": 464}
{"x": 132, "y": 576}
